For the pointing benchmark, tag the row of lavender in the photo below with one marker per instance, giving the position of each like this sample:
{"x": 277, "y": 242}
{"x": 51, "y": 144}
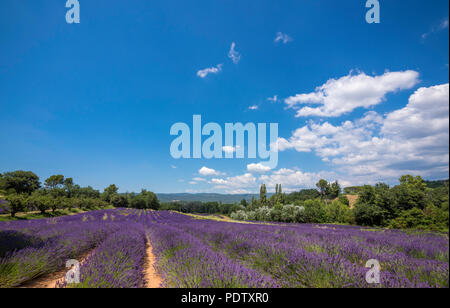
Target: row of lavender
{"x": 110, "y": 243}
{"x": 202, "y": 253}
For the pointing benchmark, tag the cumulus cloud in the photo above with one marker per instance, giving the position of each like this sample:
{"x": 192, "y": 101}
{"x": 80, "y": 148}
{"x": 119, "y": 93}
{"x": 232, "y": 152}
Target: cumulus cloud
{"x": 413, "y": 139}
{"x": 290, "y": 179}
{"x": 340, "y": 96}
{"x": 258, "y": 168}
{"x": 244, "y": 181}
{"x": 233, "y": 54}
{"x": 426, "y": 114}
{"x": 210, "y": 70}
{"x": 282, "y": 37}
{"x": 293, "y": 179}
{"x": 205, "y": 171}
{"x": 254, "y": 107}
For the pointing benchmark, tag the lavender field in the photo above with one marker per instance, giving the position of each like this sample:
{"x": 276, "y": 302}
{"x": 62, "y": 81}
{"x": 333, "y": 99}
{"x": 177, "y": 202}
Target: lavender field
{"x": 192, "y": 253}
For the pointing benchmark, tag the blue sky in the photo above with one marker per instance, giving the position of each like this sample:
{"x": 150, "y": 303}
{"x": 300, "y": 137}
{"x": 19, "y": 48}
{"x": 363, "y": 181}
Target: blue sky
{"x": 95, "y": 101}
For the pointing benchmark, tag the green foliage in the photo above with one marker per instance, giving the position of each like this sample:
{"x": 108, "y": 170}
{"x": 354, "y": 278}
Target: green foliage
{"x": 344, "y": 200}
{"x": 352, "y": 190}
{"x": 110, "y": 192}
{"x": 432, "y": 218}
{"x": 338, "y": 212}
{"x": 334, "y": 190}
{"x": 323, "y": 187}
{"x": 144, "y": 200}
{"x": 367, "y": 214}
{"x": 20, "y": 182}
{"x": 315, "y": 211}
{"x": 263, "y": 195}
{"x": 54, "y": 181}
{"x": 119, "y": 200}
{"x": 302, "y": 195}
{"x": 411, "y": 193}
{"x": 17, "y": 203}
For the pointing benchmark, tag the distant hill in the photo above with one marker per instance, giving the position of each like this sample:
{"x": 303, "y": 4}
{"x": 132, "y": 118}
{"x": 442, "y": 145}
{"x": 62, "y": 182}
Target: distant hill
{"x": 436, "y": 184}
{"x": 206, "y": 197}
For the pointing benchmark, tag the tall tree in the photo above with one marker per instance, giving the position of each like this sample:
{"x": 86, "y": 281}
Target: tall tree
{"x": 110, "y": 192}
{"x": 17, "y": 203}
{"x": 21, "y": 181}
{"x": 54, "y": 181}
{"x": 263, "y": 194}
{"x": 334, "y": 190}
{"x": 323, "y": 188}
{"x": 69, "y": 187}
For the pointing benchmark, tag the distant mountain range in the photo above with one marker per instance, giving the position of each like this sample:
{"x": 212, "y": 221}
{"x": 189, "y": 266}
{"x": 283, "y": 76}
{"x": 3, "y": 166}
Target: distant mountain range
{"x": 228, "y": 198}
{"x": 206, "y": 197}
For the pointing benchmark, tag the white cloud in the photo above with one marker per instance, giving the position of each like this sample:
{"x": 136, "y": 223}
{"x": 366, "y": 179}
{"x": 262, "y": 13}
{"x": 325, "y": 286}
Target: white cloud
{"x": 244, "y": 181}
{"x": 283, "y": 37}
{"x": 233, "y": 54}
{"x": 273, "y": 99}
{"x": 230, "y": 149}
{"x": 254, "y": 107}
{"x": 258, "y": 168}
{"x": 413, "y": 139}
{"x": 210, "y": 70}
{"x": 340, "y": 96}
{"x": 293, "y": 179}
{"x": 426, "y": 114}
{"x": 441, "y": 26}
{"x": 207, "y": 171}
{"x": 197, "y": 179}
{"x": 173, "y": 166}
{"x": 239, "y": 192}
{"x": 193, "y": 183}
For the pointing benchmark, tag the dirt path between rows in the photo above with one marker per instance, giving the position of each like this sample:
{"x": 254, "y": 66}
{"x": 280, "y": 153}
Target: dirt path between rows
{"x": 151, "y": 277}
{"x": 49, "y": 281}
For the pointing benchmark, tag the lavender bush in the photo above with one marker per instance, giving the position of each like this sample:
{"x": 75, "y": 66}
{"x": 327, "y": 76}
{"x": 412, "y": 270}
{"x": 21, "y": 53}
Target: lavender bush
{"x": 195, "y": 253}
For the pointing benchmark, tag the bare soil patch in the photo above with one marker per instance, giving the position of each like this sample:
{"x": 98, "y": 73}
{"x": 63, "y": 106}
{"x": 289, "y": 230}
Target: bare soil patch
{"x": 151, "y": 277}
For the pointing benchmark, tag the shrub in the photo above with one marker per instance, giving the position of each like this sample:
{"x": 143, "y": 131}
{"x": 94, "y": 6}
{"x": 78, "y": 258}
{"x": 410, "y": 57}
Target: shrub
{"x": 368, "y": 215}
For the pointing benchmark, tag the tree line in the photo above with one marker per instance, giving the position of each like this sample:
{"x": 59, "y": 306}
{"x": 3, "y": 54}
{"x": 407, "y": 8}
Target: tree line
{"x": 410, "y": 205}
{"x": 22, "y": 191}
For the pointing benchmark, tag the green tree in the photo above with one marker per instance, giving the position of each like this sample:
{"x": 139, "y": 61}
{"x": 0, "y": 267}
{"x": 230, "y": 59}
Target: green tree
{"x": 263, "y": 195}
{"x": 334, "y": 190}
{"x": 338, "y": 212}
{"x": 412, "y": 192}
{"x": 302, "y": 195}
{"x": 20, "y": 182}
{"x": 2, "y": 185}
{"x": 69, "y": 187}
{"x": 323, "y": 187}
{"x": 344, "y": 200}
{"x": 384, "y": 198}
{"x": 119, "y": 201}
{"x": 109, "y": 192}
{"x": 368, "y": 214}
{"x": 315, "y": 211}
{"x": 54, "y": 181}
{"x": 17, "y": 203}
